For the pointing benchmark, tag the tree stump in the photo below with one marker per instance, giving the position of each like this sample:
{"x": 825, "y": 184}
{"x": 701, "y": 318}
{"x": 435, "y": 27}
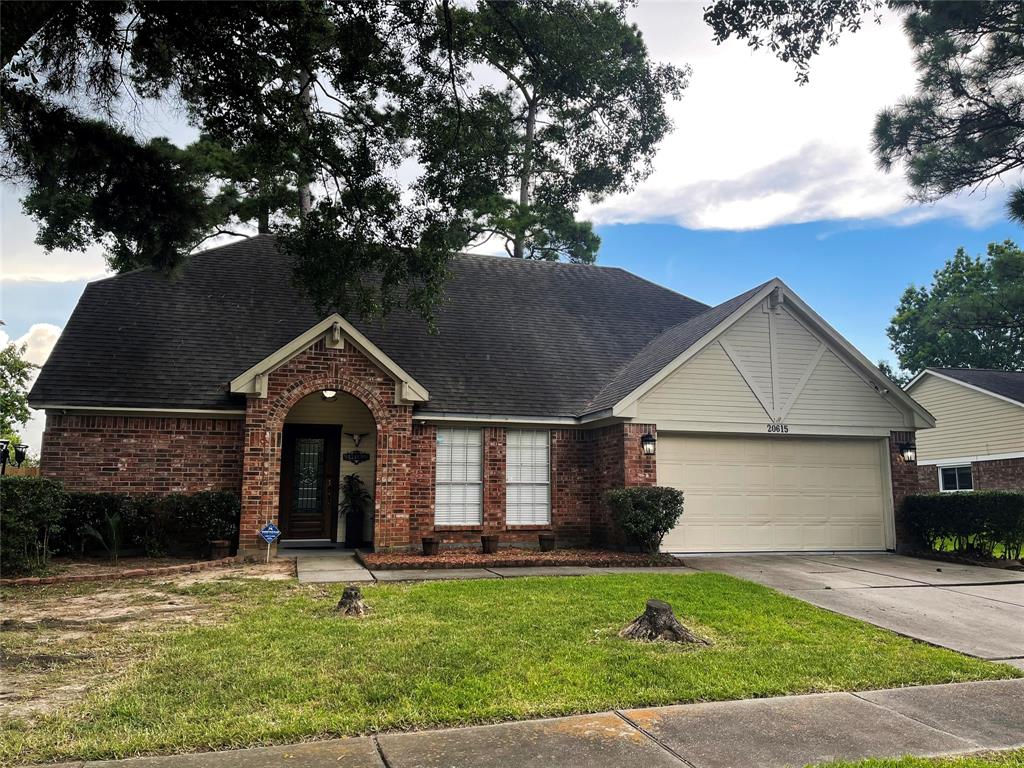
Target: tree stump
{"x": 657, "y": 622}
{"x": 351, "y": 603}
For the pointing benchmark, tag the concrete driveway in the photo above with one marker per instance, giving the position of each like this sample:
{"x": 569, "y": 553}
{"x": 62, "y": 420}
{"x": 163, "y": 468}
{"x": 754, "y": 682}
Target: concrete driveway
{"x": 974, "y": 610}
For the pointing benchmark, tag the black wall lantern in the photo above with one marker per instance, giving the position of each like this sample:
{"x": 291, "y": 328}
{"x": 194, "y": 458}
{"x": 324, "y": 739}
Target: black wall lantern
{"x": 908, "y": 451}
{"x": 20, "y": 454}
{"x": 648, "y": 443}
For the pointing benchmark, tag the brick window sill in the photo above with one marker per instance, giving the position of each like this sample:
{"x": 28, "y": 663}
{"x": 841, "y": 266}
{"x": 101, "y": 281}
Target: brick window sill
{"x": 451, "y": 528}
{"x": 527, "y": 528}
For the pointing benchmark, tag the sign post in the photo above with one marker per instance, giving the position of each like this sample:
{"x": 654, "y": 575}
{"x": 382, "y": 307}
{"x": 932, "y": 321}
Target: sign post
{"x": 269, "y": 532}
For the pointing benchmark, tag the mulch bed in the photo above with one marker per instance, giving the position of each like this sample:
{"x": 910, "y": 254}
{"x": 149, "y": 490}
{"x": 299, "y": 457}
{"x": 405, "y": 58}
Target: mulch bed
{"x": 512, "y": 558}
{"x": 962, "y": 559}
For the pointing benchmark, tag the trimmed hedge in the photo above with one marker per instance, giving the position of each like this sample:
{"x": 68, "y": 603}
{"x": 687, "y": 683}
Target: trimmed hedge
{"x": 978, "y": 522}
{"x": 37, "y": 518}
{"x": 31, "y": 512}
{"x": 645, "y": 513}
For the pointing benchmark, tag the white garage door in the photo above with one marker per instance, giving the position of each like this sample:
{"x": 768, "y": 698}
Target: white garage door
{"x": 746, "y": 494}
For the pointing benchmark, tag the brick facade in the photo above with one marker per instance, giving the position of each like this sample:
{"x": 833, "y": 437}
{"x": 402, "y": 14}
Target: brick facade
{"x": 997, "y": 475}
{"x": 904, "y": 482}
{"x": 167, "y": 454}
{"x": 143, "y": 454}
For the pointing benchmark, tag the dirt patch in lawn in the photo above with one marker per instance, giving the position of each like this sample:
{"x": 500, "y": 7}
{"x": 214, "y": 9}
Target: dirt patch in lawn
{"x": 59, "y": 643}
{"x": 512, "y": 558}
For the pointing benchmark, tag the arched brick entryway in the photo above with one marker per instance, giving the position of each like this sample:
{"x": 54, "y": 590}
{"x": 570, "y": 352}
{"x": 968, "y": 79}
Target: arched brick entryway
{"x": 318, "y": 368}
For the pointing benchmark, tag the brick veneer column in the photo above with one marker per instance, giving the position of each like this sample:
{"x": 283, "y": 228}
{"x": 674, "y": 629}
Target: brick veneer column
{"x": 572, "y": 486}
{"x": 905, "y": 481}
{"x": 142, "y": 454}
{"x": 618, "y": 462}
{"x": 346, "y": 370}
{"x": 495, "y": 452}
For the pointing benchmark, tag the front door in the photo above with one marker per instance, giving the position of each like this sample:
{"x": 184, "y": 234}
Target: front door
{"x": 309, "y": 481}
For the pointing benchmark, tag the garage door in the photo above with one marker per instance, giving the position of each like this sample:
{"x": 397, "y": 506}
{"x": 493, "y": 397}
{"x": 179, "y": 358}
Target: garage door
{"x": 788, "y": 493}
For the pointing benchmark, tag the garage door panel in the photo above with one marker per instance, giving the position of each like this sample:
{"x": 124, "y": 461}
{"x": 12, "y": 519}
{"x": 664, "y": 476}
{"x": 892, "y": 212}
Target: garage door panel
{"x": 753, "y": 494}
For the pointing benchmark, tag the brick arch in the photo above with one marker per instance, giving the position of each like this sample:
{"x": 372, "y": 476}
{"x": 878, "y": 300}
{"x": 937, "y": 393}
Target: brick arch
{"x": 346, "y": 370}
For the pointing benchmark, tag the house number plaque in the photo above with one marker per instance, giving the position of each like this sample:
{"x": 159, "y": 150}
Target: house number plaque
{"x": 355, "y": 457}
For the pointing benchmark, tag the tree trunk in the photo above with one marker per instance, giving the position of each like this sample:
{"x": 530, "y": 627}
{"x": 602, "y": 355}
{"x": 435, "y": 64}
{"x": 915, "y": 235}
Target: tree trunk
{"x": 519, "y": 248}
{"x": 657, "y": 622}
{"x": 351, "y": 603}
{"x": 264, "y": 217}
{"x": 306, "y": 98}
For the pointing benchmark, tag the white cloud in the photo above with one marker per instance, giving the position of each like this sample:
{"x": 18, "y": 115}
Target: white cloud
{"x": 39, "y": 341}
{"x": 753, "y": 149}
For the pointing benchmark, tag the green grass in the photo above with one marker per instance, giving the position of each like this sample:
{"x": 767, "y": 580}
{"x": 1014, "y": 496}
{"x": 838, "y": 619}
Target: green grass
{"x": 1012, "y": 759}
{"x": 281, "y": 666}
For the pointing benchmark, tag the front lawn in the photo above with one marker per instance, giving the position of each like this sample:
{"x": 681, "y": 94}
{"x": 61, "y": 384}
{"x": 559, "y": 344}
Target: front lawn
{"x": 1012, "y": 759}
{"x": 278, "y": 665}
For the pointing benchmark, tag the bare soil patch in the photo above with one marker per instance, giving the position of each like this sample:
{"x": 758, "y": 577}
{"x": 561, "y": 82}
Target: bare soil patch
{"x": 512, "y": 558}
{"x": 59, "y": 643}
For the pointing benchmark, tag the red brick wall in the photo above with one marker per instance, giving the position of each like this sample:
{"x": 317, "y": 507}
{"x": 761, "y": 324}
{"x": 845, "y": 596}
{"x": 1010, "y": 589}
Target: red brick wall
{"x": 905, "y": 481}
{"x": 618, "y": 462}
{"x": 999, "y": 475}
{"x": 345, "y": 370}
{"x": 142, "y": 454}
{"x": 572, "y": 486}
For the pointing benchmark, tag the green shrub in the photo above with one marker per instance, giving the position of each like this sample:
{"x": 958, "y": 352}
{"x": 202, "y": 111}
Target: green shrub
{"x": 31, "y": 510}
{"x": 85, "y": 511}
{"x": 978, "y": 522}
{"x": 645, "y": 514}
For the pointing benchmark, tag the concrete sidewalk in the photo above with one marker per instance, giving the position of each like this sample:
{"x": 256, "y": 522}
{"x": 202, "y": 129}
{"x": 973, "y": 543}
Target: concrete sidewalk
{"x": 785, "y": 731}
{"x": 333, "y": 567}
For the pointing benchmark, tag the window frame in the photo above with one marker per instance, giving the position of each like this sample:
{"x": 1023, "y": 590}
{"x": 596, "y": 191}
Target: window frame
{"x": 957, "y": 468}
{"x": 510, "y": 484}
{"x": 439, "y": 482}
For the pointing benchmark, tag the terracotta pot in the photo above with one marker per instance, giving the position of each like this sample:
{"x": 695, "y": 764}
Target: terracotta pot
{"x": 219, "y": 549}
{"x": 547, "y": 542}
{"x": 431, "y": 546}
{"x": 490, "y": 544}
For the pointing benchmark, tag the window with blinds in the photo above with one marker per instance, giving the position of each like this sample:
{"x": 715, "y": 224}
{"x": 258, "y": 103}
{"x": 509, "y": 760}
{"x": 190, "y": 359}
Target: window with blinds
{"x": 457, "y": 494}
{"x": 527, "y": 477}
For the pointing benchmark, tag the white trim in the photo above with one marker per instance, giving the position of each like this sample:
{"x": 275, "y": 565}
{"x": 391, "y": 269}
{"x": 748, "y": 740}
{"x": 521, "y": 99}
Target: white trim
{"x": 760, "y": 428}
{"x": 888, "y": 503}
{"x": 337, "y": 331}
{"x": 148, "y": 411}
{"x": 497, "y": 418}
{"x": 943, "y": 376}
{"x": 962, "y": 460}
{"x": 868, "y": 372}
{"x": 818, "y": 354}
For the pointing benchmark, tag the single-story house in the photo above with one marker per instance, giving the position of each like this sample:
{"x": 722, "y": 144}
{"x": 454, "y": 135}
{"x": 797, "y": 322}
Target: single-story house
{"x": 543, "y": 385}
{"x": 978, "y": 441}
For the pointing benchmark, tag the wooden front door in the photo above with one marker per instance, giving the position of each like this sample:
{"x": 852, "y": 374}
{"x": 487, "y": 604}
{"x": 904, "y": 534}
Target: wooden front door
{"x": 309, "y": 481}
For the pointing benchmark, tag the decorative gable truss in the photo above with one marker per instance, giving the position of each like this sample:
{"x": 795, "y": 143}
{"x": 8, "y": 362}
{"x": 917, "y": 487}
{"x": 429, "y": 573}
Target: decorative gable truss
{"x": 774, "y": 359}
{"x": 336, "y": 331}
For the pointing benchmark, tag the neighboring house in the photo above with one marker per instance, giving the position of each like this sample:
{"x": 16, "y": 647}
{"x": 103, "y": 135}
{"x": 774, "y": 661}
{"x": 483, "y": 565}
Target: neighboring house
{"x": 544, "y": 385}
{"x": 978, "y": 440}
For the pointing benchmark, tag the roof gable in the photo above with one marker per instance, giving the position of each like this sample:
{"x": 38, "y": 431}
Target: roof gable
{"x": 1002, "y": 385}
{"x": 335, "y": 330}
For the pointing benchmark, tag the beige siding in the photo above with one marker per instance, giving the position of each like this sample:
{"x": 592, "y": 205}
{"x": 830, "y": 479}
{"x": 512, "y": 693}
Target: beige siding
{"x": 834, "y": 394}
{"x": 967, "y": 422}
{"x": 748, "y": 338}
{"x": 711, "y": 388}
{"x": 355, "y": 418}
{"x": 707, "y": 388}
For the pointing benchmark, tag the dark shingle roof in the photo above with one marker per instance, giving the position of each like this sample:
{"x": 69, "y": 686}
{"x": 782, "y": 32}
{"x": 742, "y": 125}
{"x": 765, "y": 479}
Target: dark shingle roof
{"x": 1009, "y": 384}
{"x": 514, "y": 337}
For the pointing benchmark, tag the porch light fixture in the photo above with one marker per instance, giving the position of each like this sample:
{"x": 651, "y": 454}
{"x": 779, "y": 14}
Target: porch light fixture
{"x": 20, "y": 454}
{"x": 647, "y": 444}
{"x": 329, "y": 394}
{"x": 908, "y": 451}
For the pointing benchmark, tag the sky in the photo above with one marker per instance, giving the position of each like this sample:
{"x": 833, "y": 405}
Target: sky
{"x": 760, "y": 178}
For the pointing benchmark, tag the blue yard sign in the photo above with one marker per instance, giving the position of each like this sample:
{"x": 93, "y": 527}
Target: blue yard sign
{"x": 269, "y": 532}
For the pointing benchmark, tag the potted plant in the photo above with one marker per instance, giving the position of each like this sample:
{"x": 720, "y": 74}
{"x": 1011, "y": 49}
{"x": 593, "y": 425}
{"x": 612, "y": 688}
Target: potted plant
{"x": 490, "y": 544}
{"x": 431, "y": 546}
{"x": 547, "y": 542}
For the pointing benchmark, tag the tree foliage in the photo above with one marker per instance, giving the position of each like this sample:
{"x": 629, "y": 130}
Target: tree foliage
{"x": 15, "y": 372}
{"x": 570, "y": 107}
{"x": 964, "y": 127}
{"x": 311, "y": 114}
{"x": 972, "y": 316}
